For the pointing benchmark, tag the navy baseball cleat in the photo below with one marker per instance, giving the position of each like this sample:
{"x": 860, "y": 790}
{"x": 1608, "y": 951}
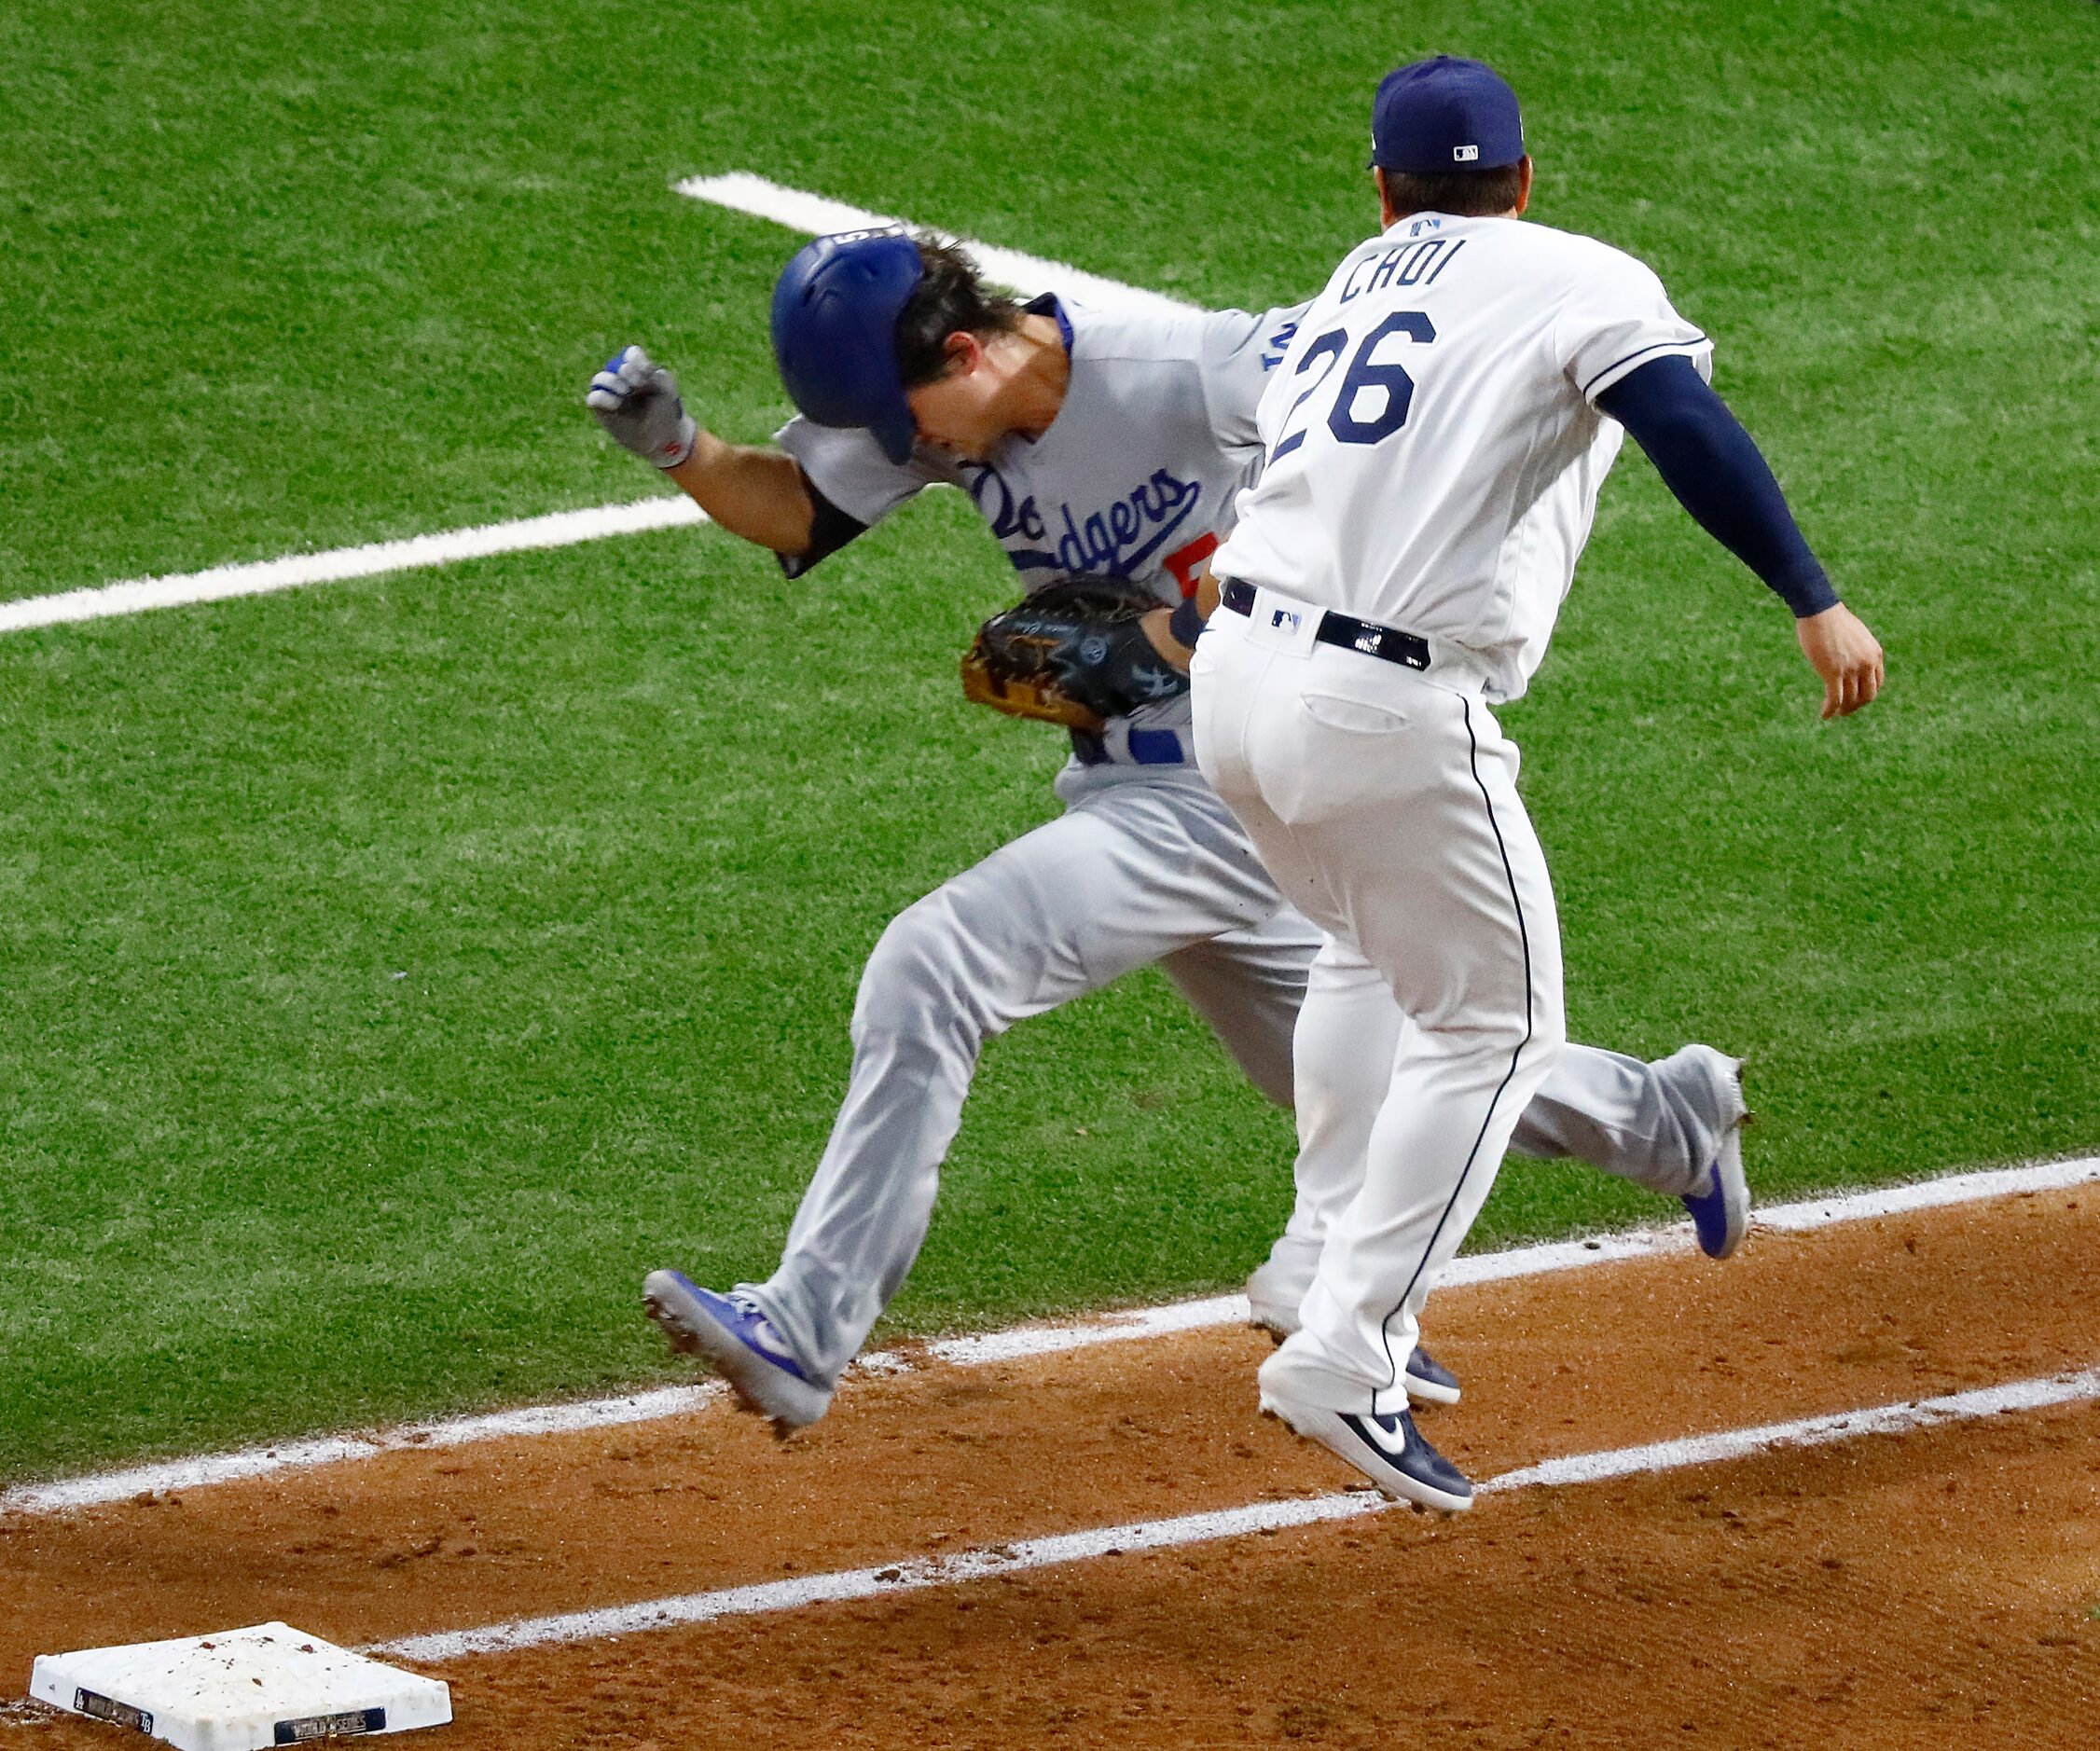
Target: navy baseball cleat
{"x": 1272, "y": 1306}
{"x": 1429, "y": 1381}
{"x": 733, "y": 1332}
{"x": 1388, "y": 1450}
{"x": 1721, "y": 1215}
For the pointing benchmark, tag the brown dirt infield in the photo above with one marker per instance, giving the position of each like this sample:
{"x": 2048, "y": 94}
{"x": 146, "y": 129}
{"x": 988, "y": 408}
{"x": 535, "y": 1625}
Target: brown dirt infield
{"x": 1928, "y": 1589}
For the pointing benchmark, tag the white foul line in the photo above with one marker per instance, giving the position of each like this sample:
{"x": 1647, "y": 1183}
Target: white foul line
{"x": 1014, "y": 1345}
{"x": 917, "y": 1573}
{"x": 1557, "y": 1255}
{"x": 1930, "y": 1194}
{"x": 753, "y": 194}
{"x": 207, "y": 1469}
{"x": 1024, "y": 273}
{"x": 261, "y": 577}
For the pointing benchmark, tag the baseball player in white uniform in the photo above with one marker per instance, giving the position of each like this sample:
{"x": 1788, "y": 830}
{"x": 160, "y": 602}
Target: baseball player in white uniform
{"x": 1435, "y": 438}
{"x": 1102, "y": 442}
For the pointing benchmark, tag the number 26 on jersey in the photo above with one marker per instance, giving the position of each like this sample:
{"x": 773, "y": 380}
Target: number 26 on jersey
{"x": 1375, "y": 392}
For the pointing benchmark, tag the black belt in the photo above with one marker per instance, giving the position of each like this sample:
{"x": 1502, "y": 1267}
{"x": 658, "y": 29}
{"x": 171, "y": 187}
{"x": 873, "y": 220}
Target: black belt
{"x": 1386, "y": 643}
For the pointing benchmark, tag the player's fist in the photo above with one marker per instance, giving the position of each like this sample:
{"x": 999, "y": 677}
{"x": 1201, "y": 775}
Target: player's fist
{"x": 637, "y": 401}
{"x": 1848, "y": 658}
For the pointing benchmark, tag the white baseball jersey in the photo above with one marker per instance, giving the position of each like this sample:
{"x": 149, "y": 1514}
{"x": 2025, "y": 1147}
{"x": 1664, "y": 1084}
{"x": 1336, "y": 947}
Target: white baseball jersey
{"x": 1434, "y": 449}
{"x": 1139, "y": 474}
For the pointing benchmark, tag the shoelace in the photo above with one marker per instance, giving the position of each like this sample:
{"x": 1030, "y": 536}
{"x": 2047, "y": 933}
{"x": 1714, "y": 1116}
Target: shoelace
{"x": 763, "y": 1336}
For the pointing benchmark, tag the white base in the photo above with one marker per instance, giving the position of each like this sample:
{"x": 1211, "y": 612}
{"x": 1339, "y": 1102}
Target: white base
{"x": 244, "y": 1690}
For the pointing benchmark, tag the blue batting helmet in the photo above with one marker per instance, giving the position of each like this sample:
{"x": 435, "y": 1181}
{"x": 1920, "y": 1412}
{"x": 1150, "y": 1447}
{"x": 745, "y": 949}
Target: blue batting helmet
{"x": 835, "y": 333}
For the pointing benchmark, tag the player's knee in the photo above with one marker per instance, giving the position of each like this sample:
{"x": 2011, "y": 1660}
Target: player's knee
{"x": 1539, "y": 1051}
{"x": 1534, "y": 1041}
{"x": 917, "y": 979}
{"x": 1531, "y": 1042}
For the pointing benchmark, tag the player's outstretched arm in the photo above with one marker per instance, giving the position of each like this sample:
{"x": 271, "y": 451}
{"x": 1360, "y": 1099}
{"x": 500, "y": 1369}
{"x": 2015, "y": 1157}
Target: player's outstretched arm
{"x": 749, "y": 489}
{"x": 1716, "y": 471}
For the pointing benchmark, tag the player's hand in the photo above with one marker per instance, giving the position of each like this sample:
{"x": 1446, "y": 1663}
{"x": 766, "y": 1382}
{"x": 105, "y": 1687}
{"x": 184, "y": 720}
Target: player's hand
{"x": 1848, "y": 658}
{"x": 636, "y": 400}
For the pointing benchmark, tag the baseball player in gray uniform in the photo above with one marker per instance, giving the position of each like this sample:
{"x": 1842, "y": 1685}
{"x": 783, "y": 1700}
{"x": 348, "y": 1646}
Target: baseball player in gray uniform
{"x": 1435, "y": 438}
{"x": 1107, "y": 443}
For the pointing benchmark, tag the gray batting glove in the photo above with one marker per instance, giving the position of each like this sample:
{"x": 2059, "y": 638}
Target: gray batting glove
{"x": 636, "y": 400}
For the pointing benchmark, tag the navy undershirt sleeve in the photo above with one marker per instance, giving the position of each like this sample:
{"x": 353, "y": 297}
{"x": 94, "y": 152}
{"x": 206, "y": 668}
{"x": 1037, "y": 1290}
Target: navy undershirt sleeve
{"x": 830, "y": 529}
{"x": 1713, "y": 465}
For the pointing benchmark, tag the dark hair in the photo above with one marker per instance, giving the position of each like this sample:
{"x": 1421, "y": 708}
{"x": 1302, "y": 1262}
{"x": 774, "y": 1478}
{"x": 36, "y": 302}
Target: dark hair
{"x": 949, "y": 299}
{"x": 1465, "y": 194}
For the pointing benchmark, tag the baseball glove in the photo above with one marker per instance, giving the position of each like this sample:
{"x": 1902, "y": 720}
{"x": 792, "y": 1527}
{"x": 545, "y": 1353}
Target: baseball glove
{"x": 1071, "y": 652}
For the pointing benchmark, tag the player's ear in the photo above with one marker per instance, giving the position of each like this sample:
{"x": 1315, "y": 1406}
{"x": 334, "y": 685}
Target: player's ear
{"x": 1387, "y": 217}
{"x": 1523, "y": 183}
{"x": 962, "y": 351}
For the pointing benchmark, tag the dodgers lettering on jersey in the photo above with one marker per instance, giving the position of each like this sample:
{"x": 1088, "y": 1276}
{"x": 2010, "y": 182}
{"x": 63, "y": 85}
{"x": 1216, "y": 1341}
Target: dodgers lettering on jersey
{"x": 1433, "y": 447}
{"x": 1129, "y": 536}
{"x": 1138, "y": 475}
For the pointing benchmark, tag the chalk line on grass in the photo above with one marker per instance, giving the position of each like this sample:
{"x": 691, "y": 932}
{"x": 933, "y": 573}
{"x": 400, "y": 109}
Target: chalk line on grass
{"x": 1017, "y": 1344}
{"x": 917, "y": 1574}
{"x": 206, "y": 1469}
{"x": 1028, "y": 275}
{"x": 1558, "y": 1255}
{"x": 263, "y": 577}
{"x": 739, "y": 191}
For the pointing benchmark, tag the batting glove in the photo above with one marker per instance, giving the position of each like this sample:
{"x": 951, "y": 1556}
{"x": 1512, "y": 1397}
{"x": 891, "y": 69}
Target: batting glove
{"x": 637, "y": 401}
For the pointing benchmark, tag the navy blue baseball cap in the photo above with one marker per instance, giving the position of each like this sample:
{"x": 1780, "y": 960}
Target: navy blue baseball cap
{"x": 1444, "y": 115}
{"x": 835, "y": 333}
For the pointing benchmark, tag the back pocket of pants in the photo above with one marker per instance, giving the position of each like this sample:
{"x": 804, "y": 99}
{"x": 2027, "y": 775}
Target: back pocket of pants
{"x": 1333, "y": 711}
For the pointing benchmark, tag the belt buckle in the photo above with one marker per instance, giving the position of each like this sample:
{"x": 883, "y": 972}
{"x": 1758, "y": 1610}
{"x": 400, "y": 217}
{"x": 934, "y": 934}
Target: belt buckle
{"x": 1283, "y": 623}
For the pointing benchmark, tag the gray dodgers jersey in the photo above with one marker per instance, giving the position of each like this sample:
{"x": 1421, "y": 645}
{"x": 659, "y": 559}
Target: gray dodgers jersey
{"x": 1137, "y": 477}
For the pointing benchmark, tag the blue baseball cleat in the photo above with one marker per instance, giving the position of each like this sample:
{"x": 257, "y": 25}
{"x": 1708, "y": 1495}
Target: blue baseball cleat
{"x": 1721, "y": 1215}
{"x": 733, "y": 1332}
{"x": 1388, "y": 1450}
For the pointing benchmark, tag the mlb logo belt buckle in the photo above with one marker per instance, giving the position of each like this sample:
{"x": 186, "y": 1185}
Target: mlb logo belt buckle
{"x": 1282, "y": 622}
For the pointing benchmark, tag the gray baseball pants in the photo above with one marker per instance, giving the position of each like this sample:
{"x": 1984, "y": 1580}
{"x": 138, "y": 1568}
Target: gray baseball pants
{"x": 1146, "y": 865}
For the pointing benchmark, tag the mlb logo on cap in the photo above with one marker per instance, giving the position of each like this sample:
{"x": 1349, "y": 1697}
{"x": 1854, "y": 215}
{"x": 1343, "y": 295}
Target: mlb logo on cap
{"x": 1432, "y": 115}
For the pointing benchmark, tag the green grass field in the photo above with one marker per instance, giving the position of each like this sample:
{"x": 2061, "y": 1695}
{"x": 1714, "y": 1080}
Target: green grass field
{"x": 393, "y": 971}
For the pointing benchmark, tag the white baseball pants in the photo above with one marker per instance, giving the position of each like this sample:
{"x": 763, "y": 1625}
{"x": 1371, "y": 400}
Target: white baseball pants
{"x": 1146, "y": 865}
{"x": 1385, "y": 805}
